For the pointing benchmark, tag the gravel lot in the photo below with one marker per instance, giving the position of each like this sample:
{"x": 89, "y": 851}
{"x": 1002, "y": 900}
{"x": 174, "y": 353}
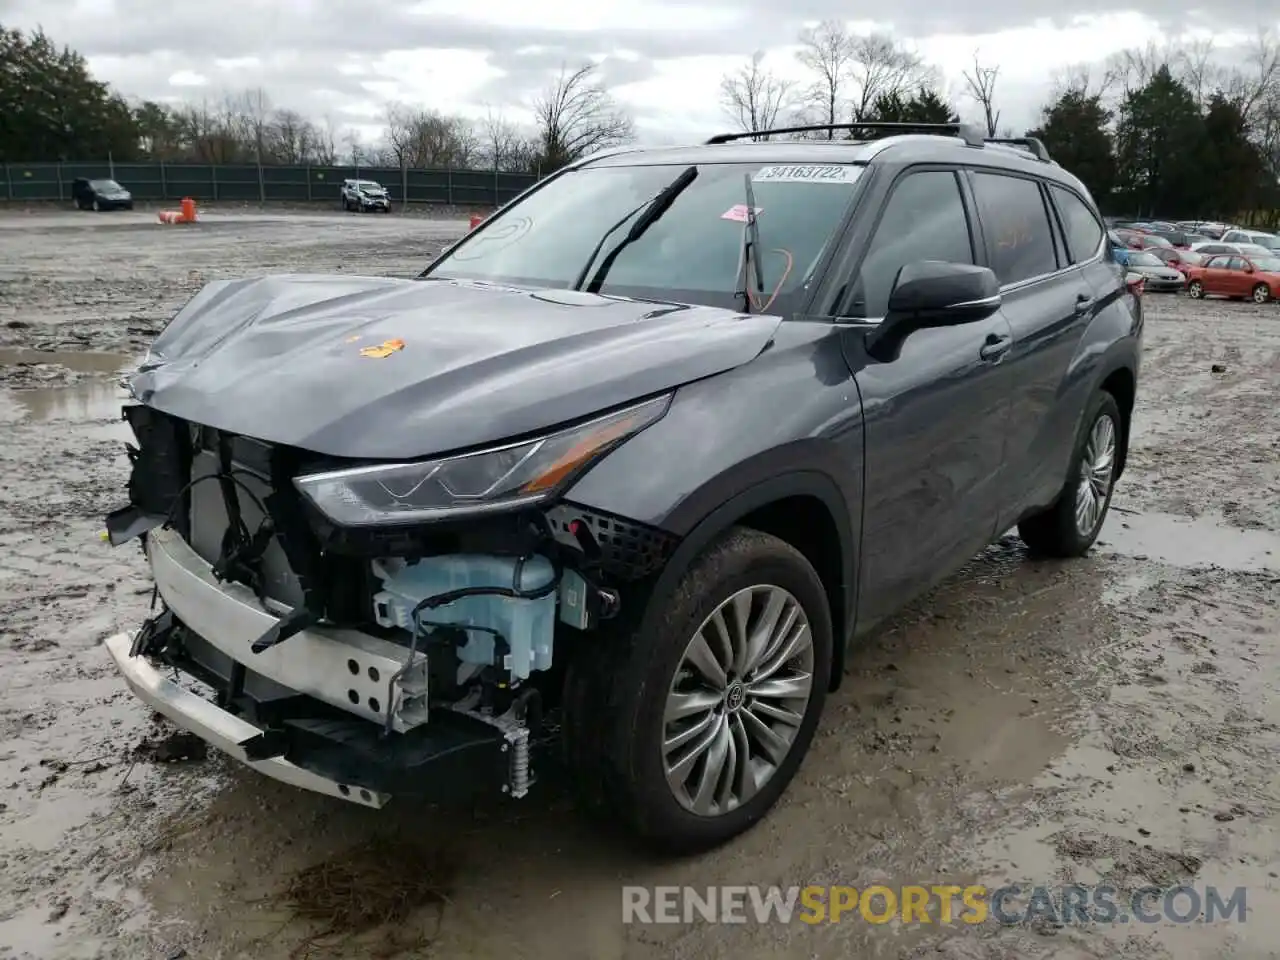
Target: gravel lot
{"x": 1113, "y": 719}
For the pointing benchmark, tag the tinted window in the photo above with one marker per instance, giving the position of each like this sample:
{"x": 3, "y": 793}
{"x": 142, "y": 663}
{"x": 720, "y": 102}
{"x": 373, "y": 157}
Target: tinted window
{"x": 1016, "y": 226}
{"x": 692, "y": 252}
{"x": 1214, "y": 248}
{"x": 1236, "y": 263}
{"x": 1217, "y": 263}
{"x": 1084, "y": 233}
{"x": 923, "y": 220}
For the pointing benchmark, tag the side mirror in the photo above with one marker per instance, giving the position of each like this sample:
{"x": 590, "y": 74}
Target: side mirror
{"x": 933, "y": 293}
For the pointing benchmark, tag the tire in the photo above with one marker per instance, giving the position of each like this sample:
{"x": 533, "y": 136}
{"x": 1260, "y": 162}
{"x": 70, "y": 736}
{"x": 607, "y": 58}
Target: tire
{"x": 1055, "y": 532}
{"x": 1195, "y": 290}
{"x": 618, "y": 690}
{"x": 1261, "y": 293}
{"x": 97, "y": 207}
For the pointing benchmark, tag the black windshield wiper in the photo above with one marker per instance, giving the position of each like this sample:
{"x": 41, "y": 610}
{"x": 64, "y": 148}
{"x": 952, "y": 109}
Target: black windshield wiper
{"x": 653, "y": 208}
{"x": 751, "y": 248}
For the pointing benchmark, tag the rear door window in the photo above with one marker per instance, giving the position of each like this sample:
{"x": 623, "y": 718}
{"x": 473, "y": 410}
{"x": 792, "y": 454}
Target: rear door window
{"x": 1084, "y": 232}
{"x": 1016, "y": 225}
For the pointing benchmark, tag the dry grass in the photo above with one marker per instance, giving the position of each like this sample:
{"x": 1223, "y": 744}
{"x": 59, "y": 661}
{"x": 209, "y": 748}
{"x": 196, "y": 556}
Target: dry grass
{"x": 370, "y": 892}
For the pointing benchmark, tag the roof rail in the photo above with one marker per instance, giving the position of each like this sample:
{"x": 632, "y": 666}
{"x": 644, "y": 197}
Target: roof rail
{"x": 964, "y": 131}
{"x": 1032, "y": 145}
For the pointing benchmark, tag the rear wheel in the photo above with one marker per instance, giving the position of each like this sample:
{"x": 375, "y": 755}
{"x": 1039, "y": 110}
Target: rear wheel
{"x": 1261, "y": 293}
{"x": 1195, "y": 289}
{"x": 1071, "y": 525}
{"x": 689, "y": 726}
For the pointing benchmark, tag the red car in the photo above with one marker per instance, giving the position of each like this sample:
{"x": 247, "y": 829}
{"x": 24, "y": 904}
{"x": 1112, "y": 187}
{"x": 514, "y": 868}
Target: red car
{"x": 1257, "y": 278}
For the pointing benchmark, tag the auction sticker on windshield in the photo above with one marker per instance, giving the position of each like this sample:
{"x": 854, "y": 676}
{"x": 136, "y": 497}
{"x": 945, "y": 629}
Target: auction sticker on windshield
{"x": 808, "y": 173}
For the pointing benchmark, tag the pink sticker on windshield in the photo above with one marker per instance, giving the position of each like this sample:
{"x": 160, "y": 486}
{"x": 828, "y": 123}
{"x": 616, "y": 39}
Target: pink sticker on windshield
{"x": 738, "y": 213}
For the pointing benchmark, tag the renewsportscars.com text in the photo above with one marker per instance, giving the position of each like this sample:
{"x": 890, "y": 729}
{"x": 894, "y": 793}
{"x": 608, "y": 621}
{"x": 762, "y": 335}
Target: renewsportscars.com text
{"x": 933, "y": 904}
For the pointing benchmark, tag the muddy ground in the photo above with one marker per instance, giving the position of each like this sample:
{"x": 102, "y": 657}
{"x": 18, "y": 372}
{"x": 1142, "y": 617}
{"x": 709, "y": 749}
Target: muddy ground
{"x": 1113, "y": 719}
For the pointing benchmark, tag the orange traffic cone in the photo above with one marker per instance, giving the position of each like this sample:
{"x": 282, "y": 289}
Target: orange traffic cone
{"x": 188, "y": 210}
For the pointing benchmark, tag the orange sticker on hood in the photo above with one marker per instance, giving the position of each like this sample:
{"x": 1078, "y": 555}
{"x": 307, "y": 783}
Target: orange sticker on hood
{"x": 384, "y": 349}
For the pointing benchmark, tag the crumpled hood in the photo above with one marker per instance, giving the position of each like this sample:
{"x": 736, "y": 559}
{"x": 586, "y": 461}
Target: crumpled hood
{"x": 464, "y": 364}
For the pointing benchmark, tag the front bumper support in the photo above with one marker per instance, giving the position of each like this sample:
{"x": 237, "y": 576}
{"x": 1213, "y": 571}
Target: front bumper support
{"x": 454, "y": 757}
{"x": 220, "y": 728}
{"x": 353, "y": 671}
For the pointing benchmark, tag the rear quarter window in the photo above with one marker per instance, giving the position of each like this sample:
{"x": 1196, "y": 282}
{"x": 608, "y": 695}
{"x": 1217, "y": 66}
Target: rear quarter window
{"x": 1016, "y": 225}
{"x": 1084, "y": 232}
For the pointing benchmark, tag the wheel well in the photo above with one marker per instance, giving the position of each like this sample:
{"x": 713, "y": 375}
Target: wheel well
{"x": 1120, "y": 384}
{"x": 807, "y": 524}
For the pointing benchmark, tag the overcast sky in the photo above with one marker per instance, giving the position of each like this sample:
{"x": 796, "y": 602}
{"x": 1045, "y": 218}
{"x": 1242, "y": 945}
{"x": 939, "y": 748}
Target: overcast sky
{"x": 664, "y": 60}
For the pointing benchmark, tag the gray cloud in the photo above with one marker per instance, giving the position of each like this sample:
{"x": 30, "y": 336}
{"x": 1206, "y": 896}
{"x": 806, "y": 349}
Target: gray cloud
{"x": 154, "y": 40}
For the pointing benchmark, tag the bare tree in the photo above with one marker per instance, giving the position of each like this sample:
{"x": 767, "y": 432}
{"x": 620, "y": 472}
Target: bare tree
{"x": 827, "y": 52}
{"x": 577, "y": 116}
{"x": 881, "y": 66}
{"x": 398, "y": 134}
{"x": 981, "y": 84}
{"x": 356, "y": 152}
{"x": 753, "y": 96}
{"x": 1130, "y": 70}
{"x": 324, "y": 150}
{"x": 504, "y": 147}
{"x": 290, "y": 137}
{"x": 1083, "y": 79}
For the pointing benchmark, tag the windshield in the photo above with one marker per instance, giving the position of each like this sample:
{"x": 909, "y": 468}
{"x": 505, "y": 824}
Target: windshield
{"x": 1253, "y": 250}
{"x": 368, "y": 185}
{"x": 1152, "y": 240}
{"x": 105, "y": 185}
{"x": 1271, "y": 243}
{"x": 1145, "y": 260}
{"x": 692, "y": 252}
{"x": 1269, "y": 264}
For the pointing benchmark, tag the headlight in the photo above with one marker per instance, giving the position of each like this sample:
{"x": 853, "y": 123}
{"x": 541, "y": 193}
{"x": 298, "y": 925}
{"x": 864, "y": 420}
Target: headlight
{"x": 501, "y": 478}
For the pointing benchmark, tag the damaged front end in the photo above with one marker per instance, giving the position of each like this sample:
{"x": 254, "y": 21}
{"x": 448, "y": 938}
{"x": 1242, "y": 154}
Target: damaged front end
{"x": 371, "y": 629}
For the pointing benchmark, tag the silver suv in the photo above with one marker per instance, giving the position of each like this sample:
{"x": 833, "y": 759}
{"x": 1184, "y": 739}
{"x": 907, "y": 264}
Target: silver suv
{"x": 365, "y": 195}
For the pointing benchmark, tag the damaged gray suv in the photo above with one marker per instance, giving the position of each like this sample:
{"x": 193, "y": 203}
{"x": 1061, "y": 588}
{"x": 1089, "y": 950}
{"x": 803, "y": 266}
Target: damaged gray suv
{"x": 615, "y": 484}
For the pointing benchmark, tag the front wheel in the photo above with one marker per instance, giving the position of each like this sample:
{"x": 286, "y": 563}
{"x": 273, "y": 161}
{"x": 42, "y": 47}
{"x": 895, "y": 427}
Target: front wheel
{"x": 690, "y": 726}
{"x": 1195, "y": 289}
{"x": 97, "y": 207}
{"x": 1071, "y": 525}
{"x": 1261, "y": 293}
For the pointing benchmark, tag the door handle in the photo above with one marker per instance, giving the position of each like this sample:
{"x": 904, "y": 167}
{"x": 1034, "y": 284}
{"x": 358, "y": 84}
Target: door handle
{"x": 1083, "y": 302}
{"x": 995, "y": 347}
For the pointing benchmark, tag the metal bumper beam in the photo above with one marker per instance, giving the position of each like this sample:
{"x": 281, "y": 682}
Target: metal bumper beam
{"x": 220, "y": 728}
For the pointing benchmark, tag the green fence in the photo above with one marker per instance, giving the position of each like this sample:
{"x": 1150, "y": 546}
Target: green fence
{"x": 249, "y": 182}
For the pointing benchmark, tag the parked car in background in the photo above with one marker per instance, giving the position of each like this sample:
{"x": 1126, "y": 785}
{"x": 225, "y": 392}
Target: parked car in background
{"x": 1241, "y": 249}
{"x": 1212, "y": 229}
{"x": 1156, "y": 274}
{"x": 1257, "y": 278}
{"x": 1268, "y": 241}
{"x": 1180, "y": 260}
{"x": 1119, "y": 250}
{"x": 365, "y": 195}
{"x": 1179, "y": 238}
{"x": 464, "y": 516}
{"x": 94, "y": 194}
{"x": 1140, "y": 240}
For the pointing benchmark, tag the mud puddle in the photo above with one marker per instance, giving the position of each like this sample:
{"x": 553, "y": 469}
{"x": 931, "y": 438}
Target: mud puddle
{"x": 43, "y": 386}
{"x": 1190, "y": 542}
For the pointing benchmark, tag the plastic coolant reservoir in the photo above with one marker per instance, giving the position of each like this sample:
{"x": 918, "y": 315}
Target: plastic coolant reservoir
{"x": 527, "y": 625}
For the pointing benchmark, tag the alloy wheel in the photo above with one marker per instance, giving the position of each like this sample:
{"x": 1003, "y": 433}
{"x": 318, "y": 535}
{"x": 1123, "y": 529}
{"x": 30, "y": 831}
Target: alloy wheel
{"x": 1196, "y": 290}
{"x": 1097, "y": 467}
{"x": 737, "y": 700}
{"x": 1261, "y": 294}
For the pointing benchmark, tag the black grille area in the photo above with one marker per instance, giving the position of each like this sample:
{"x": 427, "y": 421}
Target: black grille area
{"x": 629, "y": 550}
